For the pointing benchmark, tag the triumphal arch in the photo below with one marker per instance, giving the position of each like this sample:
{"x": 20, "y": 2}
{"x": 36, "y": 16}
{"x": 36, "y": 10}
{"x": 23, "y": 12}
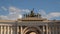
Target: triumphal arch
{"x": 31, "y": 23}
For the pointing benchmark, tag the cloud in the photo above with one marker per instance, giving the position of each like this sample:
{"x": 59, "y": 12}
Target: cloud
{"x": 51, "y": 15}
{"x": 2, "y": 17}
{"x": 14, "y": 10}
{"x": 5, "y": 9}
{"x": 43, "y": 13}
{"x": 14, "y": 13}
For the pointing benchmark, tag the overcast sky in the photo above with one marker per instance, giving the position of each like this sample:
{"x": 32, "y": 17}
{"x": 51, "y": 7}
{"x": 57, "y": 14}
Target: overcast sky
{"x": 13, "y": 9}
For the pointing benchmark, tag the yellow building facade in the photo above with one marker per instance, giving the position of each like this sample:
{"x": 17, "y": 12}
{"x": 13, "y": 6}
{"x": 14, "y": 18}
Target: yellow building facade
{"x": 30, "y": 24}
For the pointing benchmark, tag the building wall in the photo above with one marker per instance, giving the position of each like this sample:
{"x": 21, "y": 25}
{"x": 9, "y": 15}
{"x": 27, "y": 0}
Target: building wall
{"x": 27, "y": 27}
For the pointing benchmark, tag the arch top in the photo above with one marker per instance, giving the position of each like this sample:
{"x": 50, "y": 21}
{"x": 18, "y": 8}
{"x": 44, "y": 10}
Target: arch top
{"x": 32, "y": 29}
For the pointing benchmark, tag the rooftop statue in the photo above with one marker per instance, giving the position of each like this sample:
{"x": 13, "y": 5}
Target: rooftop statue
{"x": 33, "y": 17}
{"x": 32, "y": 14}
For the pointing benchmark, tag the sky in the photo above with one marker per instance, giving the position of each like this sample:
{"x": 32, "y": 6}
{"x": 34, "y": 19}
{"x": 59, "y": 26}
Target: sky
{"x": 14, "y": 9}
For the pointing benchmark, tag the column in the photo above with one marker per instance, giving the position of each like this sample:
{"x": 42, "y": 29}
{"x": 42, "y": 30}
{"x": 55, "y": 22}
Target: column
{"x": 11, "y": 30}
{"x": 4, "y": 29}
{"x": 18, "y": 30}
{"x": 56, "y": 30}
{"x": 43, "y": 29}
{"x": 59, "y": 30}
{"x": 1, "y": 29}
{"x": 49, "y": 30}
{"x": 21, "y": 30}
{"x": 8, "y": 29}
{"x": 15, "y": 30}
{"x": 46, "y": 29}
{"x": 53, "y": 29}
